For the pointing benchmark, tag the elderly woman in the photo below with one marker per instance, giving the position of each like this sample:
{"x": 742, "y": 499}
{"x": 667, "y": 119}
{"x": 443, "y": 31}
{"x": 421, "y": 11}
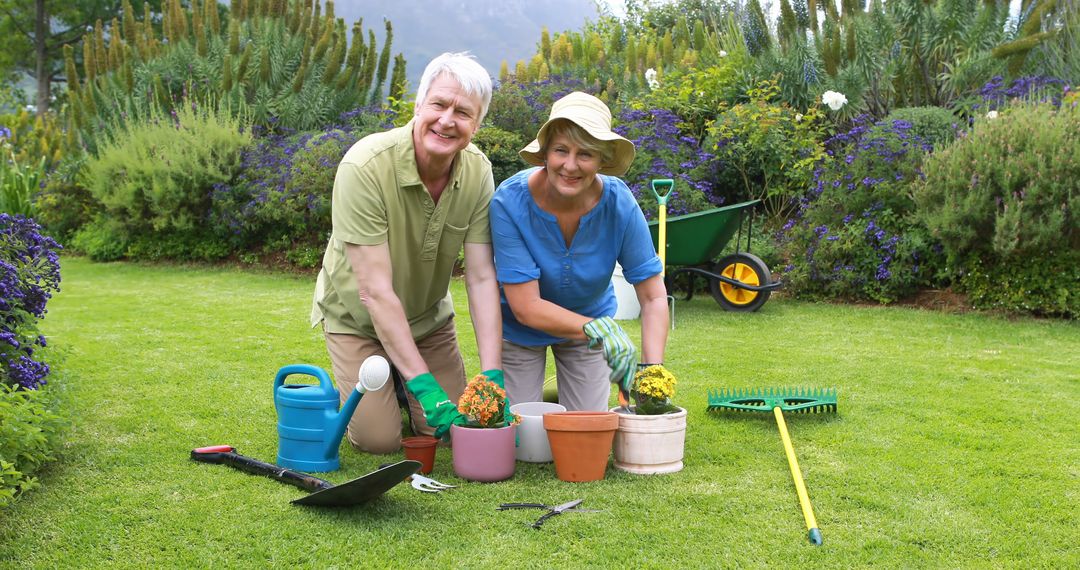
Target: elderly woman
{"x": 557, "y": 231}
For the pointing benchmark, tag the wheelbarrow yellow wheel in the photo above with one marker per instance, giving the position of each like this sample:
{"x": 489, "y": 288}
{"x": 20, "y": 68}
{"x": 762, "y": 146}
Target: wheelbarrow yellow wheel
{"x": 745, "y": 268}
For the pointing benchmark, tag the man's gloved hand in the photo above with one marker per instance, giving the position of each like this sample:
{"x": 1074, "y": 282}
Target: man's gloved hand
{"x": 620, "y": 353}
{"x": 439, "y": 411}
{"x": 496, "y": 376}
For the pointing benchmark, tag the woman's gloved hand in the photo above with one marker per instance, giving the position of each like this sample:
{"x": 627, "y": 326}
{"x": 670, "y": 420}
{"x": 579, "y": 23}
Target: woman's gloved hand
{"x": 620, "y": 353}
{"x": 439, "y": 411}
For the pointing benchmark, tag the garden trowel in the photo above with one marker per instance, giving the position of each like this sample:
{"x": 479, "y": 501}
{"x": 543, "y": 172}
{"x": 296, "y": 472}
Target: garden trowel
{"x": 323, "y": 493}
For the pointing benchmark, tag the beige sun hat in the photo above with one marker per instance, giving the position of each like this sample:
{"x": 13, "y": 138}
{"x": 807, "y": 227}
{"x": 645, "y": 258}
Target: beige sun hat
{"x": 590, "y": 114}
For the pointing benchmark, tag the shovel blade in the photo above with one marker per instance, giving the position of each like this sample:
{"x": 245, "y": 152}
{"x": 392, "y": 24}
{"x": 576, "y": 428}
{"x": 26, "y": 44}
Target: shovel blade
{"x": 362, "y": 489}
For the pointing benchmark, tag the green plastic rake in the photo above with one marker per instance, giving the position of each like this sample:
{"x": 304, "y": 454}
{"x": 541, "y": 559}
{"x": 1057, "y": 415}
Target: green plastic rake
{"x": 780, "y": 400}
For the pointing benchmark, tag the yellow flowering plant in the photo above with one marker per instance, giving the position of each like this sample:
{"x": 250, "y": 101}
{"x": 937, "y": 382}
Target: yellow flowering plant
{"x": 484, "y": 404}
{"x": 652, "y": 391}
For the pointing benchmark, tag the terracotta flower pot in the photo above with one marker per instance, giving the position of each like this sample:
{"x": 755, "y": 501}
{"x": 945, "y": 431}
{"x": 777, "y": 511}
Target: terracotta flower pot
{"x": 649, "y": 445}
{"x": 581, "y": 443}
{"x": 421, "y": 448}
{"x": 483, "y": 454}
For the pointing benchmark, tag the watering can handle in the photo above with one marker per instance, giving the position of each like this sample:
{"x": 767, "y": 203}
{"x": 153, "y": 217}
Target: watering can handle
{"x": 306, "y": 369}
{"x": 660, "y": 183}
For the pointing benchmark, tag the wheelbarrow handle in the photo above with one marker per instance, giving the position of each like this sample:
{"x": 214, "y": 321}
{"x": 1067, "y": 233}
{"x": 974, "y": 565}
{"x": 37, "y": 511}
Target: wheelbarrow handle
{"x": 226, "y": 455}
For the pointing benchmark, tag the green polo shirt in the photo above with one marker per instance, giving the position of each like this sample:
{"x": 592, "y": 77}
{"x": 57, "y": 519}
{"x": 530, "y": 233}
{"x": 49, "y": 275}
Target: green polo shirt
{"x": 379, "y": 198}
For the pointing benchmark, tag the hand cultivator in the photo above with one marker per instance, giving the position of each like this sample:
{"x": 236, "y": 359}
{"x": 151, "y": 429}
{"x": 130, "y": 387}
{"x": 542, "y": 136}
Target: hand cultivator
{"x": 425, "y": 484}
{"x": 778, "y": 401}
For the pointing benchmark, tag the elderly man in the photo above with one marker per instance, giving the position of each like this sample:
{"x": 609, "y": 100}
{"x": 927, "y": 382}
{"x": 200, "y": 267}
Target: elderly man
{"x": 405, "y": 202}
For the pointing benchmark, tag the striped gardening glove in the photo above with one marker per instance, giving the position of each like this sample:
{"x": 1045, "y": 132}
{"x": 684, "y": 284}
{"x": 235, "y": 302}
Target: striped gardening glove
{"x": 620, "y": 353}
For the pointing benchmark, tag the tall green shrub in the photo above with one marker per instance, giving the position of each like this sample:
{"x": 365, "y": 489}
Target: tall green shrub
{"x": 1005, "y": 195}
{"x": 501, "y": 148}
{"x": 155, "y": 176}
{"x": 765, "y": 150}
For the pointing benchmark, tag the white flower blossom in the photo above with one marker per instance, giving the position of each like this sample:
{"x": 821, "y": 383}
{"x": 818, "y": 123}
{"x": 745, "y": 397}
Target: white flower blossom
{"x": 650, "y": 78}
{"x": 723, "y": 53}
{"x": 834, "y": 100}
{"x": 798, "y": 117}
{"x": 992, "y": 115}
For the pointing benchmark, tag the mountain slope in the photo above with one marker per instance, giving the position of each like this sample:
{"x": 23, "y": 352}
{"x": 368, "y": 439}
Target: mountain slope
{"x": 492, "y": 30}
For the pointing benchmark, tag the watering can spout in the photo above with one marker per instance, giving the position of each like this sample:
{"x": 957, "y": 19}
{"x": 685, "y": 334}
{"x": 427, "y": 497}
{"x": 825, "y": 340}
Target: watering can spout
{"x": 374, "y": 372}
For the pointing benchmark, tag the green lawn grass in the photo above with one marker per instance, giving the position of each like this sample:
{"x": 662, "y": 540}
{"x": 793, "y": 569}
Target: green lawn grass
{"x": 955, "y": 444}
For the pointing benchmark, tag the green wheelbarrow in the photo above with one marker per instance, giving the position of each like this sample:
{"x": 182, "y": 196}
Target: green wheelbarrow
{"x": 738, "y": 282}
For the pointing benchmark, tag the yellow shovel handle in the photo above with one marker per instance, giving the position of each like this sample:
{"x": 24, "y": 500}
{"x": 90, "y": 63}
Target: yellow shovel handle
{"x": 804, "y": 499}
{"x": 662, "y": 239}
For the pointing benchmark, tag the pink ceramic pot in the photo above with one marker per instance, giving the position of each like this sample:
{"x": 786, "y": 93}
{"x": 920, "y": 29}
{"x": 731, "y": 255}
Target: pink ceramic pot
{"x": 484, "y": 455}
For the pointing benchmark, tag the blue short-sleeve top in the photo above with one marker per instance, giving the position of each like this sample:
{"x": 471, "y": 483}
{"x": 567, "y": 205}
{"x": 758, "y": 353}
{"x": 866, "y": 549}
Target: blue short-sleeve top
{"x": 529, "y": 246}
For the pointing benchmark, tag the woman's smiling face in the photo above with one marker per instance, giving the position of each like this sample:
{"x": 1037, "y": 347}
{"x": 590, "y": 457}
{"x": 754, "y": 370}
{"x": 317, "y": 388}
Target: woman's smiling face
{"x": 571, "y": 169}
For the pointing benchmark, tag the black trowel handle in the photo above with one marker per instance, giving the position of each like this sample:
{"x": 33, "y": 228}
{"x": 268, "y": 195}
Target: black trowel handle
{"x": 226, "y": 454}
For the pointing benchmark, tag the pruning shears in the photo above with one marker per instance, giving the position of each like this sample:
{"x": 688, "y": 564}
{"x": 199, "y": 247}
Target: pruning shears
{"x": 570, "y": 506}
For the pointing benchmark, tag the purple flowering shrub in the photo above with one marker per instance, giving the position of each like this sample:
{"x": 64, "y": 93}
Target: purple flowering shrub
{"x": 997, "y": 95}
{"x": 852, "y": 236}
{"x": 280, "y": 200}
{"x": 665, "y": 151}
{"x": 29, "y": 275}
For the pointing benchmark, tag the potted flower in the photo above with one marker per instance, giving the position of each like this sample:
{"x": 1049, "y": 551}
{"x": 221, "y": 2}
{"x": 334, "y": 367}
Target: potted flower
{"x": 483, "y": 448}
{"x": 652, "y": 433}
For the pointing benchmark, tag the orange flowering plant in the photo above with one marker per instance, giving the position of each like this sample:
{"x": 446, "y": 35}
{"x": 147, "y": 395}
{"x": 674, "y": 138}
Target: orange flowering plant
{"x": 484, "y": 403}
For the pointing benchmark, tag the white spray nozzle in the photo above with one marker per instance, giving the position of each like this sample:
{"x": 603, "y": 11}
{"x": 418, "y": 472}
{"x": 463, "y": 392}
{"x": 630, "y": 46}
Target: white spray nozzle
{"x": 373, "y": 374}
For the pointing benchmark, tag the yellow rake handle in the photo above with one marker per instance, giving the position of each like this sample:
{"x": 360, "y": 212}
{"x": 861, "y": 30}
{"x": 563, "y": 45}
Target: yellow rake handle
{"x": 804, "y": 499}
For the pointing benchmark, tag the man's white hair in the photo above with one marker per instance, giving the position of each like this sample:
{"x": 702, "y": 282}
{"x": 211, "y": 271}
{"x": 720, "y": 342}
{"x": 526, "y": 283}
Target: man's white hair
{"x": 472, "y": 77}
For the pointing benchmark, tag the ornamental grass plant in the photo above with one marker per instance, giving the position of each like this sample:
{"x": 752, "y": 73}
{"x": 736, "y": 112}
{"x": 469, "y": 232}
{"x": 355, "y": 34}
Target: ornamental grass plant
{"x": 944, "y": 451}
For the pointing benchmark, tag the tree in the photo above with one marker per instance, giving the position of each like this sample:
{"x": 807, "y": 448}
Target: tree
{"x": 33, "y": 34}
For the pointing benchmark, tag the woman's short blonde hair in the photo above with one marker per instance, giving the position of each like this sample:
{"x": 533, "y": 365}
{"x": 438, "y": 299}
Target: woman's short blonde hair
{"x": 580, "y": 137}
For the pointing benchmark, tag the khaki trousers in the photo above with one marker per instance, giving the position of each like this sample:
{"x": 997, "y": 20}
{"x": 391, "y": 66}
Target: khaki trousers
{"x": 581, "y": 373}
{"x": 375, "y": 427}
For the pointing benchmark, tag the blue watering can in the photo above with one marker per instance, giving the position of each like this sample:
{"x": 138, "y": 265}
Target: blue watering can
{"x": 310, "y": 426}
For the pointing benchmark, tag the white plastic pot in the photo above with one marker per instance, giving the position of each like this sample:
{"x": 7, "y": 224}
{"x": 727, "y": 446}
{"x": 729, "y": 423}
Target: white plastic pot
{"x": 627, "y": 306}
{"x": 533, "y": 446}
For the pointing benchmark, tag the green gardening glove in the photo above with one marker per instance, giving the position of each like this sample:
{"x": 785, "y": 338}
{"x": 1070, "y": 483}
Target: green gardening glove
{"x": 496, "y": 376}
{"x": 620, "y": 353}
{"x": 439, "y": 411}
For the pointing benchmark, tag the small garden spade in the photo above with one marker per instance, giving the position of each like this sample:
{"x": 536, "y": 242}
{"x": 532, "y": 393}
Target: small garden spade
{"x": 323, "y": 492}
{"x": 779, "y": 401}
